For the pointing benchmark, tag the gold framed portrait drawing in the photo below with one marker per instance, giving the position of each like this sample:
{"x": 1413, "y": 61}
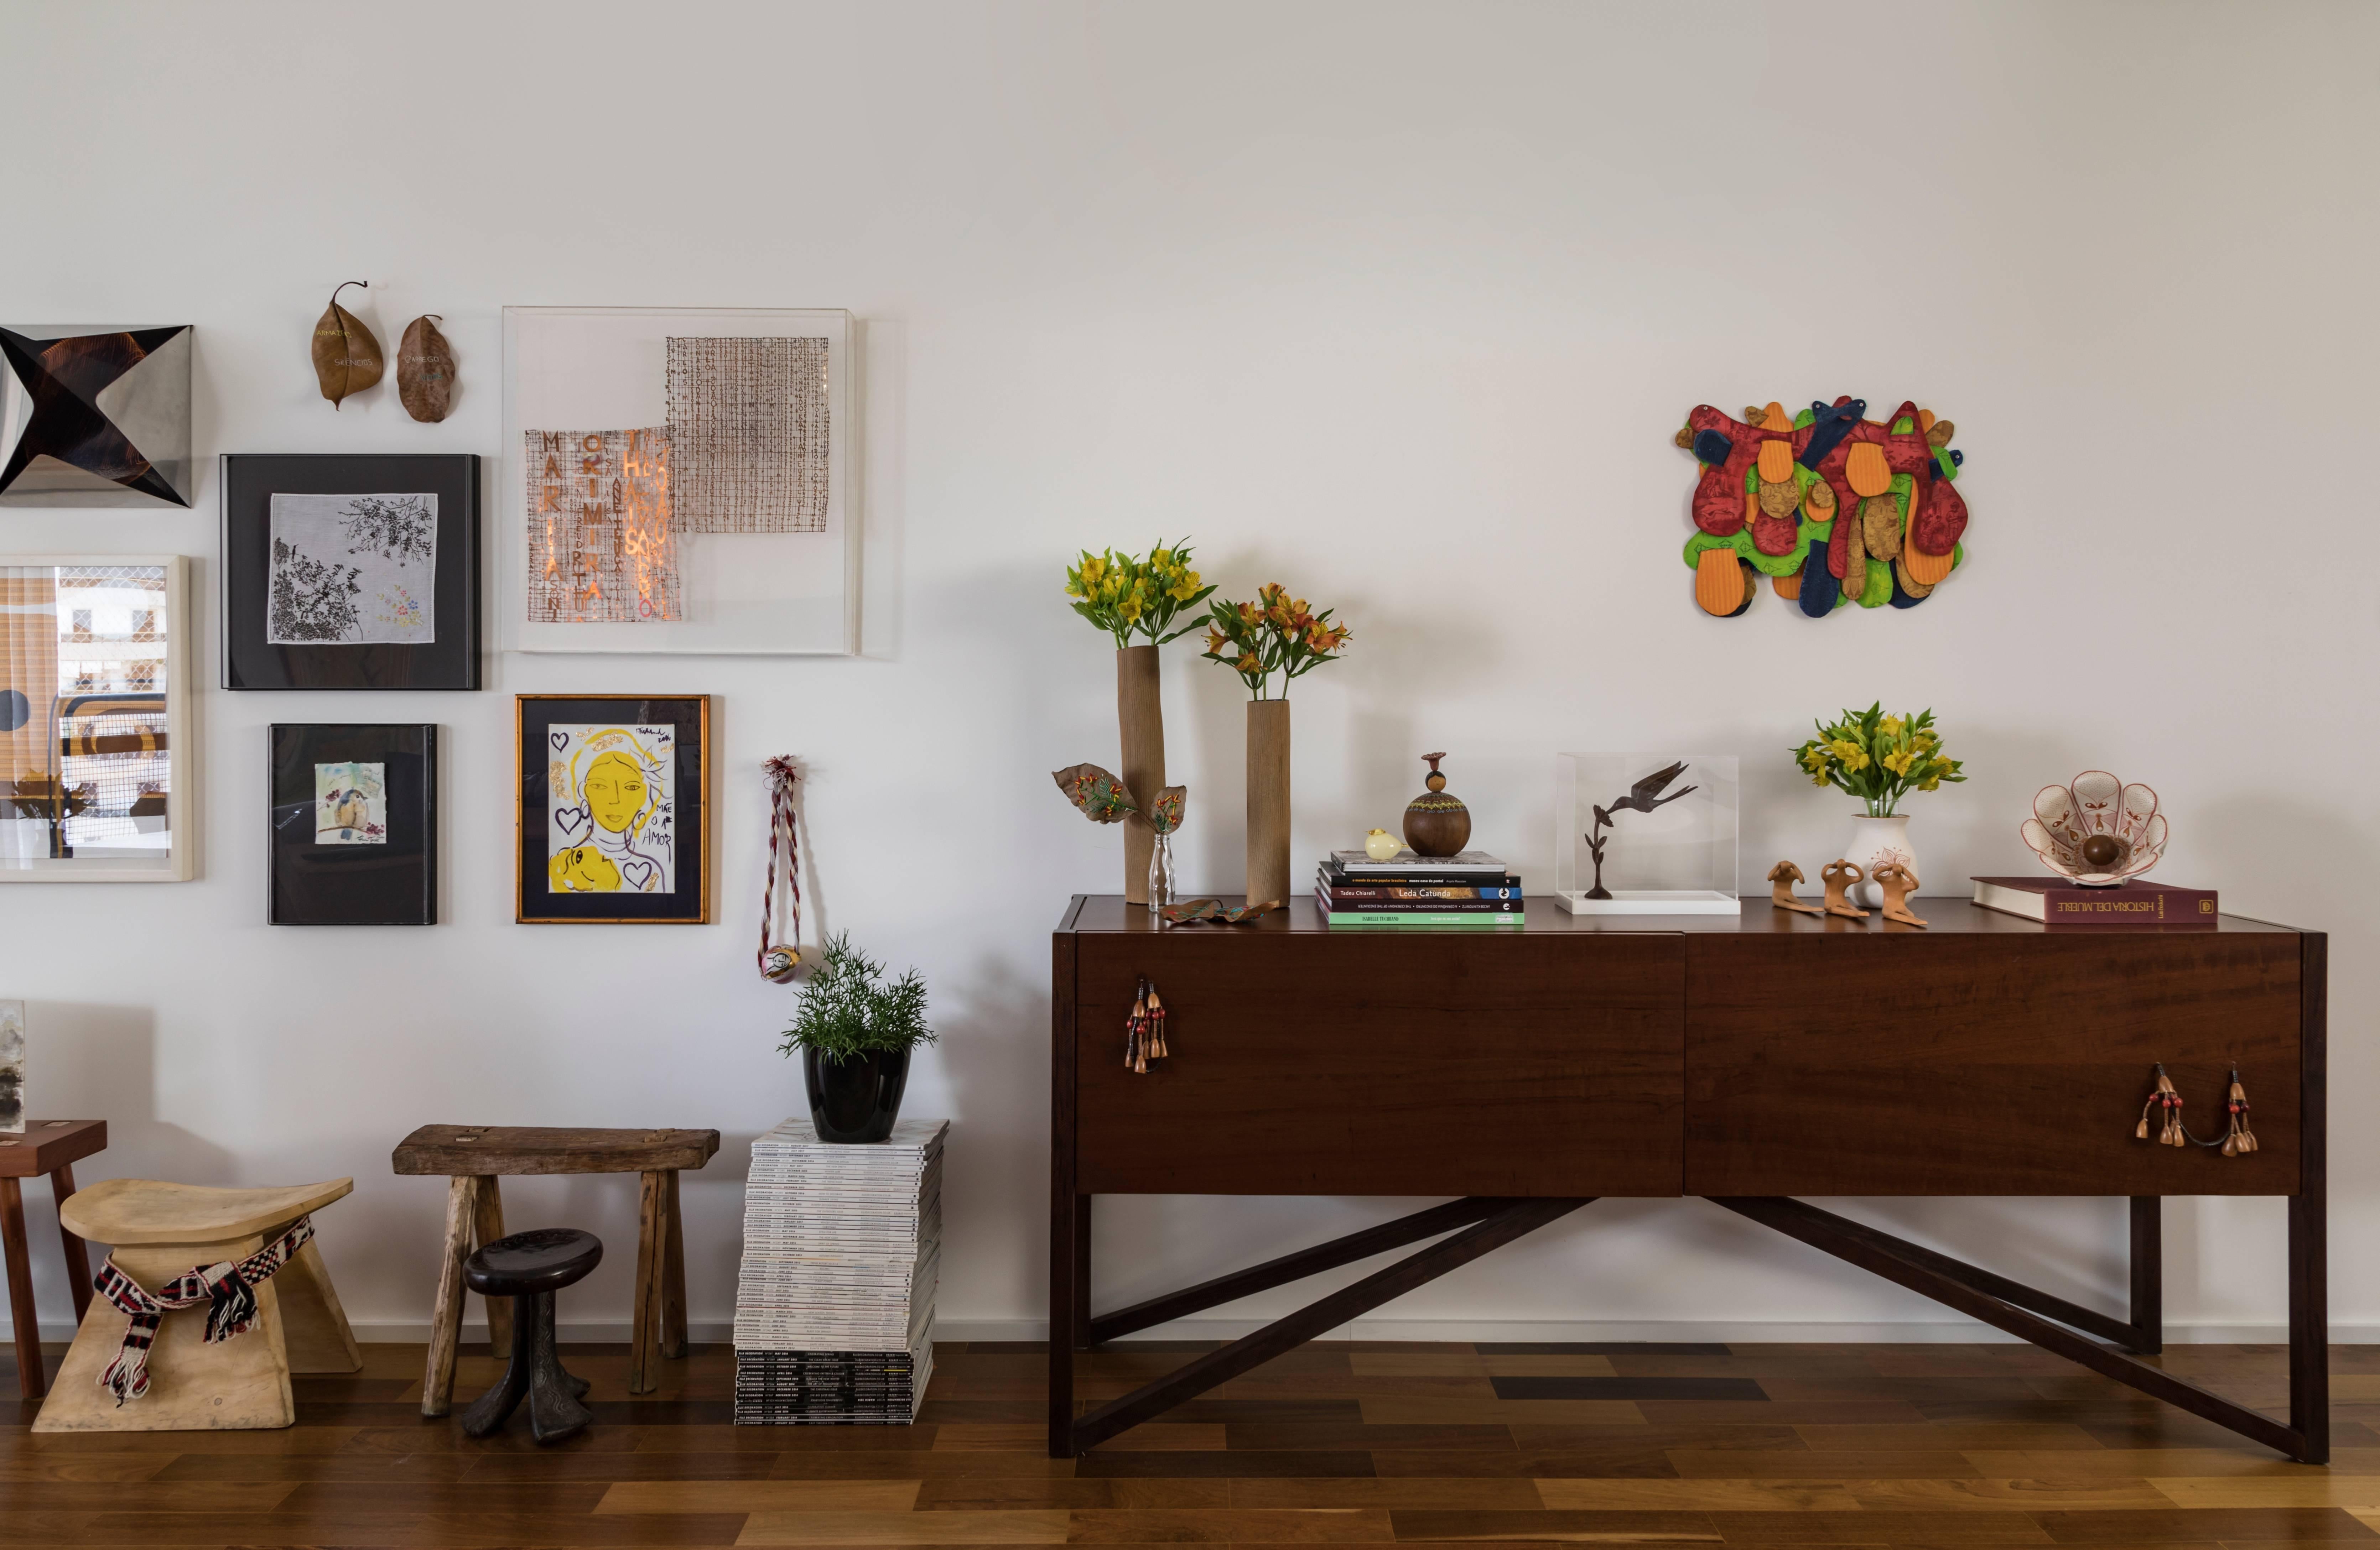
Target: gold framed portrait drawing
{"x": 614, "y": 812}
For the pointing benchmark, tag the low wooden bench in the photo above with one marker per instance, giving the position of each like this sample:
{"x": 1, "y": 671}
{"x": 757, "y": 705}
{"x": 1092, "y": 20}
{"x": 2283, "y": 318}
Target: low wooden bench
{"x": 474, "y": 1156}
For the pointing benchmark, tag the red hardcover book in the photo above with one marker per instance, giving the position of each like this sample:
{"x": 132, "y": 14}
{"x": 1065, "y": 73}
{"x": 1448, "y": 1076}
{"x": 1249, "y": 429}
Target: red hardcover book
{"x": 2057, "y": 901}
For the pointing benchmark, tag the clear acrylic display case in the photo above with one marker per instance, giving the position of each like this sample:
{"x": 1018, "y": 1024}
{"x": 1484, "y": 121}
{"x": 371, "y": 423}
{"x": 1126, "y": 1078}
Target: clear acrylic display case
{"x": 1679, "y": 858}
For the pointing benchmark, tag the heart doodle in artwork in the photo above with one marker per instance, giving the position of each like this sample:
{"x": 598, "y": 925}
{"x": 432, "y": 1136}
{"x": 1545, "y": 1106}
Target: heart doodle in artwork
{"x": 570, "y": 820}
{"x": 560, "y": 740}
{"x": 638, "y": 873}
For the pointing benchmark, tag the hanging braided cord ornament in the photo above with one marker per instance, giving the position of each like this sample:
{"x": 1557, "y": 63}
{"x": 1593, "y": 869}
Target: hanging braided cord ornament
{"x": 779, "y": 959}
{"x": 228, "y": 1288}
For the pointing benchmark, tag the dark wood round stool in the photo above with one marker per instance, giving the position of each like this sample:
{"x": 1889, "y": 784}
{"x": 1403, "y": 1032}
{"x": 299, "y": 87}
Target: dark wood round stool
{"x": 529, "y": 1267}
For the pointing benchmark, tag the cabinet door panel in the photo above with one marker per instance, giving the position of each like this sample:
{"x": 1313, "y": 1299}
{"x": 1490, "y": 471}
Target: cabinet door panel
{"x": 1352, "y": 1064}
{"x": 1875, "y": 1063}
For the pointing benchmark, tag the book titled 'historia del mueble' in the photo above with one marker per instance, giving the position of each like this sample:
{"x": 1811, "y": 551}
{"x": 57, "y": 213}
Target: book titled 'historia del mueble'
{"x": 2056, "y": 902}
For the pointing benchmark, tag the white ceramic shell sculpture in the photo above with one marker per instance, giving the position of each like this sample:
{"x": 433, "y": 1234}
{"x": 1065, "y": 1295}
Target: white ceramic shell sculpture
{"x": 2096, "y": 830}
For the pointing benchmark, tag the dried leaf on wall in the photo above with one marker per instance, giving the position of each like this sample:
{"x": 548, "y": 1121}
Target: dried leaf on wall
{"x": 425, "y": 370}
{"x": 346, "y": 356}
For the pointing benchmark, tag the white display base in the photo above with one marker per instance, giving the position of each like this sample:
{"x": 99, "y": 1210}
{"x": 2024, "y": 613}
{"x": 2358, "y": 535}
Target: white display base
{"x": 1652, "y": 901}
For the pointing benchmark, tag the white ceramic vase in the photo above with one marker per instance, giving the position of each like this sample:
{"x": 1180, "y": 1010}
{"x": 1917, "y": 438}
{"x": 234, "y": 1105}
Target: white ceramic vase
{"x": 1874, "y": 842}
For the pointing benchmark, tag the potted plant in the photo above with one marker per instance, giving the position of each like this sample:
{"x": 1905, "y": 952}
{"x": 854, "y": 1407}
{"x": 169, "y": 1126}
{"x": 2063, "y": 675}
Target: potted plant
{"x": 1128, "y": 595}
{"x": 854, "y": 1032}
{"x": 1276, "y": 633}
{"x": 1880, "y": 759}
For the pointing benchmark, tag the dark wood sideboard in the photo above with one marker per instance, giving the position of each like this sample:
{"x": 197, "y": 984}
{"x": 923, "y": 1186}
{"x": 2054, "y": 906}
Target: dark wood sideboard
{"x": 1746, "y": 1059}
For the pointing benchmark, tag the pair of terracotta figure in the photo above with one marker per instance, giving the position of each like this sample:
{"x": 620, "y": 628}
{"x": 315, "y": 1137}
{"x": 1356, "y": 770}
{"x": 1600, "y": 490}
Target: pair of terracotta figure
{"x": 1896, "y": 880}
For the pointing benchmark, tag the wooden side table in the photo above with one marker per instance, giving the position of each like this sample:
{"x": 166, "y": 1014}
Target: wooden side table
{"x": 474, "y": 1156}
{"x": 51, "y": 1146}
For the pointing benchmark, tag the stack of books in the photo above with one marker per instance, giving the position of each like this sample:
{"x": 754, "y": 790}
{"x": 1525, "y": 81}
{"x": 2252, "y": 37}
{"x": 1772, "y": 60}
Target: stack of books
{"x": 834, "y": 1308}
{"x": 1471, "y": 888}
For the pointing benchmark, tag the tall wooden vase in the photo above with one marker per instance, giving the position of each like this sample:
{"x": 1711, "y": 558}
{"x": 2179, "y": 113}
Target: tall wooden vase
{"x": 1141, "y": 719}
{"x": 1268, "y": 801}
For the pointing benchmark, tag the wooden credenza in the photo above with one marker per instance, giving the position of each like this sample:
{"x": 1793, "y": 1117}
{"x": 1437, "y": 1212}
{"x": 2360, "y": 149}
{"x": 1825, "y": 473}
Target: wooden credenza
{"x": 1746, "y": 1059}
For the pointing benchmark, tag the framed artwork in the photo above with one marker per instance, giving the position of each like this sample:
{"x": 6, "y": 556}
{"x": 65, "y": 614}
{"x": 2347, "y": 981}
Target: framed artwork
{"x": 355, "y": 826}
{"x": 678, "y": 480}
{"x": 614, "y": 812}
{"x": 94, "y": 719}
{"x": 95, "y": 416}
{"x": 351, "y": 572}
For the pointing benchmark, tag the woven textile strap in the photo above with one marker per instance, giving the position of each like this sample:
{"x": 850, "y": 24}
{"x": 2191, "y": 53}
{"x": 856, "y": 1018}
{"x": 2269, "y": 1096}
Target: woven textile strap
{"x": 228, "y": 1289}
{"x": 783, "y": 843}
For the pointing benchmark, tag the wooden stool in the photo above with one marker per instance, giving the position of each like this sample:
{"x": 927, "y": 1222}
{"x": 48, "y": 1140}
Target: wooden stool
{"x": 159, "y": 1230}
{"x": 529, "y": 1267}
{"x": 51, "y": 1146}
{"x": 474, "y": 1156}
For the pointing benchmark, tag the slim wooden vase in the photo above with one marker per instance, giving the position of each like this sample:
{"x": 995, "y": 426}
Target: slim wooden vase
{"x": 1268, "y": 801}
{"x": 1141, "y": 719}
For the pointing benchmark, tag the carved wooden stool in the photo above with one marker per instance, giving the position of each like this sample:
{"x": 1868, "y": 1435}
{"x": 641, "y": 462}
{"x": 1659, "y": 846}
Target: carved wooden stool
{"x": 473, "y": 1156}
{"x": 162, "y": 1231}
{"x": 529, "y": 1267}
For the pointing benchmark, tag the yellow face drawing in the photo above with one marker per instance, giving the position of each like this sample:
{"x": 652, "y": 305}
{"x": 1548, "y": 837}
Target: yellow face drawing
{"x": 615, "y": 792}
{"x": 583, "y": 869}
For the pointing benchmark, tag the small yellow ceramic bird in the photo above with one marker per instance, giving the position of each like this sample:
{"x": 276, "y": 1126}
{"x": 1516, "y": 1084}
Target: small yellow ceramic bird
{"x": 1381, "y": 846}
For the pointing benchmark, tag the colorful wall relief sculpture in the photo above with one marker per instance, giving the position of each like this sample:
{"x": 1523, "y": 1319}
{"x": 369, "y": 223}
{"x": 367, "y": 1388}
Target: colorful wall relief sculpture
{"x": 1834, "y": 508}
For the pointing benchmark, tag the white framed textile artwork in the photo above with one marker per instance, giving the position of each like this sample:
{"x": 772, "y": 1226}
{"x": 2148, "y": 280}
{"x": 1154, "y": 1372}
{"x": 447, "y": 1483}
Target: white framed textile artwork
{"x": 94, "y": 719}
{"x": 678, "y": 480}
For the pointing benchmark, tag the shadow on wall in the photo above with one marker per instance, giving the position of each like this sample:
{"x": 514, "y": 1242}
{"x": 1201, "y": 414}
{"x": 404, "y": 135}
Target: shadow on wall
{"x": 85, "y": 1060}
{"x": 995, "y": 1065}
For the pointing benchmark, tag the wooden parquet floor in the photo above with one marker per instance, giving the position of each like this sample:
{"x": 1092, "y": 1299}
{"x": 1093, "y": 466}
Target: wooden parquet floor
{"x": 1336, "y": 1444}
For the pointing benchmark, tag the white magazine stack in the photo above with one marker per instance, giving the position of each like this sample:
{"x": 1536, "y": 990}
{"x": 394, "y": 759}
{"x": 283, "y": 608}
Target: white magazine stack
{"x": 835, "y": 1311}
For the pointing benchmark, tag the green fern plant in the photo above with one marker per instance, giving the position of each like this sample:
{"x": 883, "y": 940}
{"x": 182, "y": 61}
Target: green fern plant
{"x": 848, "y": 1009}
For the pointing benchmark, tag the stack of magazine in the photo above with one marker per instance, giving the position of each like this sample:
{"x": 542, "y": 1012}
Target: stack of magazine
{"x": 1471, "y": 888}
{"x": 834, "y": 1310}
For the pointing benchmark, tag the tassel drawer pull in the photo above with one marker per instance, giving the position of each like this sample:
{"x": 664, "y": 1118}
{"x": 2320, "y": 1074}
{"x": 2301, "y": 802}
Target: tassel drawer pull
{"x": 2166, "y": 1101}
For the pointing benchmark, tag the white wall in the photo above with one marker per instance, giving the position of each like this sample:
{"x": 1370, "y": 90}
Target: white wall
{"x": 1399, "y": 305}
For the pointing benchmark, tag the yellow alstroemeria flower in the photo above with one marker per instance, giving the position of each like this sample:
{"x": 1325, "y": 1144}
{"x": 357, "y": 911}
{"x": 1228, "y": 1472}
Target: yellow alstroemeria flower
{"x": 1899, "y": 763}
{"x": 1819, "y": 779}
{"x": 1128, "y": 608}
{"x": 1893, "y": 727}
{"x": 1846, "y": 750}
{"x": 1186, "y": 587}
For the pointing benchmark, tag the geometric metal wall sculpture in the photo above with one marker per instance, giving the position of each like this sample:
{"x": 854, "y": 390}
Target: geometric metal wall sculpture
{"x": 94, "y": 418}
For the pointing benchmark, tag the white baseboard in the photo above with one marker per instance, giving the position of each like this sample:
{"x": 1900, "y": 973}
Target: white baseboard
{"x": 1731, "y": 1332}
{"x": 1744, "y": 1332}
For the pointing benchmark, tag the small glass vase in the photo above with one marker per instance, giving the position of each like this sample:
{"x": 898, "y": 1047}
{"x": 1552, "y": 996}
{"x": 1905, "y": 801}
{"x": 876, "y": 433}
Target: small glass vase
{"x": 1160, "y": 872}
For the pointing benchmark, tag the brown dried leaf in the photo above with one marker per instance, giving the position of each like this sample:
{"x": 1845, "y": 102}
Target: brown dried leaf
{"x": 425, "y": 370}
{"x": 346, "y": 356}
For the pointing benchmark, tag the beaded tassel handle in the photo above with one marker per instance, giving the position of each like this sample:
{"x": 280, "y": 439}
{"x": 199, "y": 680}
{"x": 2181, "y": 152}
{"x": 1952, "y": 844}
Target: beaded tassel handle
{"x": 2237, "y": 1139}
{"x": 780, "y": 958}
{"x": 1144, "y": 1030}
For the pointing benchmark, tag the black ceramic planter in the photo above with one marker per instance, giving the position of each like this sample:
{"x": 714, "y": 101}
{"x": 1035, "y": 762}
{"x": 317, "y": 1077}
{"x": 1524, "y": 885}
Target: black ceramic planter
{"x": 856, "y": 1100}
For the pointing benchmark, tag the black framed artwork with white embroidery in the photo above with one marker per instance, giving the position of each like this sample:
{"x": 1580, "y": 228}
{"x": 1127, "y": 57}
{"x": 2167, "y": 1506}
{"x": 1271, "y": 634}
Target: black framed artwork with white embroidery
{"x": 354, "y": 826}
{"x": 351, "y": 572}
